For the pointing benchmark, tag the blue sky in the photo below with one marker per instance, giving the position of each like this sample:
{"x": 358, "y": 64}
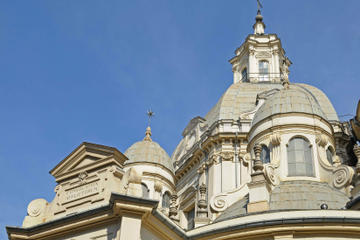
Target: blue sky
{"x": 87, "y": 70}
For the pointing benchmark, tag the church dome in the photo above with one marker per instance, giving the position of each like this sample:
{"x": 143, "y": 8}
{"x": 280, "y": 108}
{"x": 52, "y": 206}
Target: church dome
{"x": 148, "y": 151}
{"x": 241, "y": 97}
{"x": 291, "y": 100}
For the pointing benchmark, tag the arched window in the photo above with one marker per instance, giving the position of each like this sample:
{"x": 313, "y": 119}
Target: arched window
{"x": 300, "y": 160}
{"x": 145, "y": 190}
{"x": 265, "y": 154}
{"x": 329, "y": 155}
{"x": 264, "y": 71}
{"x": 244, "y": 77}
{"x": 165, "y": 203}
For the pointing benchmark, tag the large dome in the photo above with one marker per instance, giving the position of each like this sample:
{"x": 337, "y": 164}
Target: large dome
{"x": 148, "y": 151}
{"x": 238, "y": 98}
{"x": 292, "y": 100}
{"x": 241, "y": 97}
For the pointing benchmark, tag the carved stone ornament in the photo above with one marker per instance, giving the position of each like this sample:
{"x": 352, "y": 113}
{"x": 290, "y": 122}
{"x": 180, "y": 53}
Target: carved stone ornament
{"x": 271, "y": 176}
{"x": 275, "y": 139}
{"x": 276, "y": 51}
{"x": 82, "y": 176}
{"x": 357, "y": 154}
{"x": 173, "y": 211}
{"x": 213, "y": 159}
{"x": 133, "y": 176}
{"x": 227, "y": 156}
{"x": 247, "y": 158}
{"x": 201, "y": 169}
{"x": 202, "y": 203}
{"x": 321, "y": 140}
{"x": 218, "y": 203}
{"x": 337, "y": 161}
{"x": 258, "y": 165}
{"x": 158, "y": 186}
{"x": 36, "y": 207}
{"x": 342, "y": 176}
{"x": 263, "y": 55}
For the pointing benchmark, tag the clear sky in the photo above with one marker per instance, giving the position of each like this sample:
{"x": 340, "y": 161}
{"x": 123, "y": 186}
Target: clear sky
{"x": 87, "y": 70}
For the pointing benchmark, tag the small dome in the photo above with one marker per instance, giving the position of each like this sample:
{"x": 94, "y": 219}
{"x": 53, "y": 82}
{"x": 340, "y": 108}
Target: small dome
{"x": 147, "y": 151}
{"x": 292, "y": 100}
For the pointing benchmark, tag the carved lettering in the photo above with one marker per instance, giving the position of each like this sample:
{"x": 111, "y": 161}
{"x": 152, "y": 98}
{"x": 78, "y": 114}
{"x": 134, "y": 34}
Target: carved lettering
{"x": 82, "y": 191}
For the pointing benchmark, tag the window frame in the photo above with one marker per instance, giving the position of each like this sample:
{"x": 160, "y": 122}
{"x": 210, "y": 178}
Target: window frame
{"x": 330, "y": 150}
{"x": 268, "y": 154}
{"x": 144, "y": 194}
{"x": 244, "y": 79}
{"x": 307, "y": 163}
{"x": 166, "y": 193}
{"x": 264, "y": 76}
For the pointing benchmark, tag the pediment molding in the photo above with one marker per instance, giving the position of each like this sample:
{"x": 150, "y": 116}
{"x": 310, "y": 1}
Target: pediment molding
{"x": 86, "y": 157}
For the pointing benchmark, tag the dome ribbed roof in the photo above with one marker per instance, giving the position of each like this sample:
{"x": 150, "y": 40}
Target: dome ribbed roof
{"x": 148, "y": 151}
{"x": 241, "y": 97}
{"x": 238, "y": 98}
{"x": 292, "y": 100}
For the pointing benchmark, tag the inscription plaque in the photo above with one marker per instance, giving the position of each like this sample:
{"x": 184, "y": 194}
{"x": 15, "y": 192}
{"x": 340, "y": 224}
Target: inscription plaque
{"x": 82, "y": 191}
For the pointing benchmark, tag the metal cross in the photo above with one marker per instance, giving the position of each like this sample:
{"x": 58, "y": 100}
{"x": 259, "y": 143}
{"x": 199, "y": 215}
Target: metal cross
{"x": 259, "y": 5}
{"x": 150, "y": 115}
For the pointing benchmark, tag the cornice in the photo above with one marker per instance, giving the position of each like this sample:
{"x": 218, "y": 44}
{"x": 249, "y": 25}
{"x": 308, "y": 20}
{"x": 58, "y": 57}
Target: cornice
{"x": 290, "y": 129}
{"x": 152, "y": 164}
{"x": 119, "y": 204}
{"x": 206, "y": 146}
{"x": 277, "y": 115}
{"x": 156, "y": 175}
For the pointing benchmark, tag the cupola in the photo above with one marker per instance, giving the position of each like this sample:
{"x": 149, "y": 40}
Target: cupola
{"x": 261, "y": 57}
{"x": 152, "y": 162}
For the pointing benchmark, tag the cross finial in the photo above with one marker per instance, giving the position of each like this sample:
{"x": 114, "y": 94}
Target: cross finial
{"x": 259, "y": 5}
{"x": 259, "y": 26}
{"x": 150, "y": 115}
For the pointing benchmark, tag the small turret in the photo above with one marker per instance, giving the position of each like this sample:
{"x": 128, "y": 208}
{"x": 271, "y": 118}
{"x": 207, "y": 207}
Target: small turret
{"x": 261, "y": 57}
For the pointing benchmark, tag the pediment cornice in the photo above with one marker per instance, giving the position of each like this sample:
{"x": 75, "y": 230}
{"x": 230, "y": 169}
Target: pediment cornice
{"x": 86, "y": 157}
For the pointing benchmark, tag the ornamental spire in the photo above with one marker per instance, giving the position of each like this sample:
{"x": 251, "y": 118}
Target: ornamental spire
{"x": 259, "y": 26}
{"x": 148, "y": 129}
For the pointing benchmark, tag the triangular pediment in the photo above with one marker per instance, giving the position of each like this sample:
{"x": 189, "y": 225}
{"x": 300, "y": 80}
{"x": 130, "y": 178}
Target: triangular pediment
{"x": 86, "y": 161}
{"x": 85, "y": 157}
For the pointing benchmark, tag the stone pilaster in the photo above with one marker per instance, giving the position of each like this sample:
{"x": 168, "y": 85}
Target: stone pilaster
{"x": 130, "y": 227}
